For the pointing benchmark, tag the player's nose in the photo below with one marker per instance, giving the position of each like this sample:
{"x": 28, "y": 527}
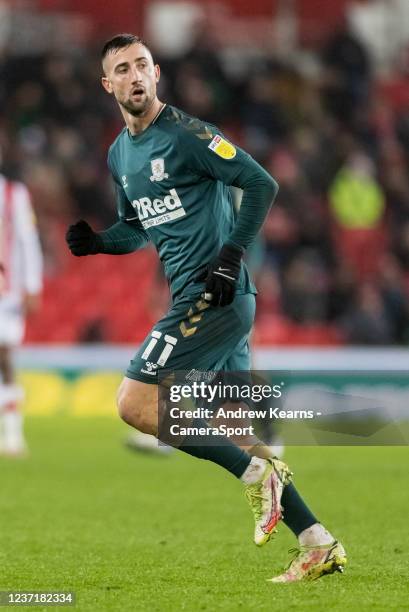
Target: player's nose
{"x": 136, "y": 75}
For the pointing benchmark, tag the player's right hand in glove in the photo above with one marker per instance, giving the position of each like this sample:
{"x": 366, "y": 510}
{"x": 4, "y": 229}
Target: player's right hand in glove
{"x": 82, "y": 240}
{"x": 221, "y": 276}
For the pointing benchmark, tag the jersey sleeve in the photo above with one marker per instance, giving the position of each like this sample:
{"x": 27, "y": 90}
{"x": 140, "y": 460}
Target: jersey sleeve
{"x": 209, "y": 154}
{"x": 29, "y": 241}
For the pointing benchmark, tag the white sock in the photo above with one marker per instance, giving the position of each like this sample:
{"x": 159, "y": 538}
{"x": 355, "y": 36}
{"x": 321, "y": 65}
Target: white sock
{"x": 316, "y": 535}
{"x": 254, "y": 471}
{"x": 13, "y": 438}
{"x": 12, "y": 419}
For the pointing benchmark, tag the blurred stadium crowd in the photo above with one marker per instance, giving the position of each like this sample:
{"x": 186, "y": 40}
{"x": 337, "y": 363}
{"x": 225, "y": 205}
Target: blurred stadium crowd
{"x": 332, "y": 262}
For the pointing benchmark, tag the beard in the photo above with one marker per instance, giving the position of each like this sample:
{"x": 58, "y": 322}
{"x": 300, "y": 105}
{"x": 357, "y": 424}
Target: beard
{"x": 137, "y": 109}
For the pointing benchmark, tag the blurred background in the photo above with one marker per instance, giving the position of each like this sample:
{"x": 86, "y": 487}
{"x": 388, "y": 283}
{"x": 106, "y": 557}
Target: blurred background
{"x": 316, "y": 90}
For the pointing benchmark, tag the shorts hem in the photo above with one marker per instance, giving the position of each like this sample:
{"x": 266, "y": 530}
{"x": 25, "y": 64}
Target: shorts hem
{"x": 150, "y": 380}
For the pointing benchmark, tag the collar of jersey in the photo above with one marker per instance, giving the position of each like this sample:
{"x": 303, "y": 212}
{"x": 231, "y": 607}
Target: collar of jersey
{"x": 135, "y": 137}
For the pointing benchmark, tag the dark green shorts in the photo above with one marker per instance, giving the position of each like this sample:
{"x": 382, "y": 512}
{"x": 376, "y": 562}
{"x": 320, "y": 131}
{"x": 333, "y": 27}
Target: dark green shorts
{"x": 194, "y": 335}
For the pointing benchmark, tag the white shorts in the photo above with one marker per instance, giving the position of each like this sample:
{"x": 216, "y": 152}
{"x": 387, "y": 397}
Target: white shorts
{"x": 12, "y": 323}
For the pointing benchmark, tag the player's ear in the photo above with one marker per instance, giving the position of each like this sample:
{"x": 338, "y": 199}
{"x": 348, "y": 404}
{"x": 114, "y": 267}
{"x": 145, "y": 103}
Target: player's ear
{"x": 157, "y": 72}
{"x": 106, "y": 84}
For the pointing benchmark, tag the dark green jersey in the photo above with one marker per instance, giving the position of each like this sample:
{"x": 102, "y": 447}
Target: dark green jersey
{"x": 172, "y": 184}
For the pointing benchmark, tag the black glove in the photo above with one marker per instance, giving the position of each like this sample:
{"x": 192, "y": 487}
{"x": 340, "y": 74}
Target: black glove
{"x": 82, "y": 240}
{"x": 221, "y": 276}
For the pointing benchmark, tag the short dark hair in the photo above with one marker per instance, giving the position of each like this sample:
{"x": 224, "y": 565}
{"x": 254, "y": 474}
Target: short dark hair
{"x": 121, "y": 41}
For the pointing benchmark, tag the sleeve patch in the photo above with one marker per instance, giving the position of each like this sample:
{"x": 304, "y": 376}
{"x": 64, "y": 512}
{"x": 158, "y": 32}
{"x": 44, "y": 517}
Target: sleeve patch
{"x": 222, "y": 148}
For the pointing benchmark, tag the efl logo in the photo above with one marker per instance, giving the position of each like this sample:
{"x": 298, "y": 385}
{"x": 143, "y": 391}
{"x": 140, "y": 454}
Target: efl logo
{"x": 156, "y": 212}
{"x": 222, "y": 148}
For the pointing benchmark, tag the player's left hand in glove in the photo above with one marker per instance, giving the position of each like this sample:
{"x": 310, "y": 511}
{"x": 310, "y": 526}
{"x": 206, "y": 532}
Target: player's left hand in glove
{"x": 221, "y": 276}
{"x": 82, "y": 240}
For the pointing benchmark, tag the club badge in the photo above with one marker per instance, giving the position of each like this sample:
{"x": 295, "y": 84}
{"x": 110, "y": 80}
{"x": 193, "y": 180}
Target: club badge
{"x": 158, "y": 170}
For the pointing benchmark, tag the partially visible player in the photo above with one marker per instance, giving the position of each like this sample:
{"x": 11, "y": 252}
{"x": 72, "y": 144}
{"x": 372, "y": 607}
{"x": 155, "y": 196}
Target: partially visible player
{"x": 140, "y": 442}
{"x": 20, "y": 287}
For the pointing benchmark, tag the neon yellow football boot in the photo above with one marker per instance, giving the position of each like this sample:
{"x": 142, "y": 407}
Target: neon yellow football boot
{"x": 312, "y": 562}
{"x": 264, "y": 498}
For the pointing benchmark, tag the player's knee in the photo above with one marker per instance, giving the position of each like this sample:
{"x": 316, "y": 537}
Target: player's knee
{"x": 124, "y": 408}
{"x": 127, "y": 407}
{"x": 135, "y": 409}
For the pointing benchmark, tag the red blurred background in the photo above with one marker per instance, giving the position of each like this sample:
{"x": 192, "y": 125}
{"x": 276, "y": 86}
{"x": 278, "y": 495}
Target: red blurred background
{"x": 320, "y": 93}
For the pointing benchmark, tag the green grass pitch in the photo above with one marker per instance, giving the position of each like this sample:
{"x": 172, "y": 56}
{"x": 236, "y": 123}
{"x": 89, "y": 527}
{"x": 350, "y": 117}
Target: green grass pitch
{"x": 132, "y": 532}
